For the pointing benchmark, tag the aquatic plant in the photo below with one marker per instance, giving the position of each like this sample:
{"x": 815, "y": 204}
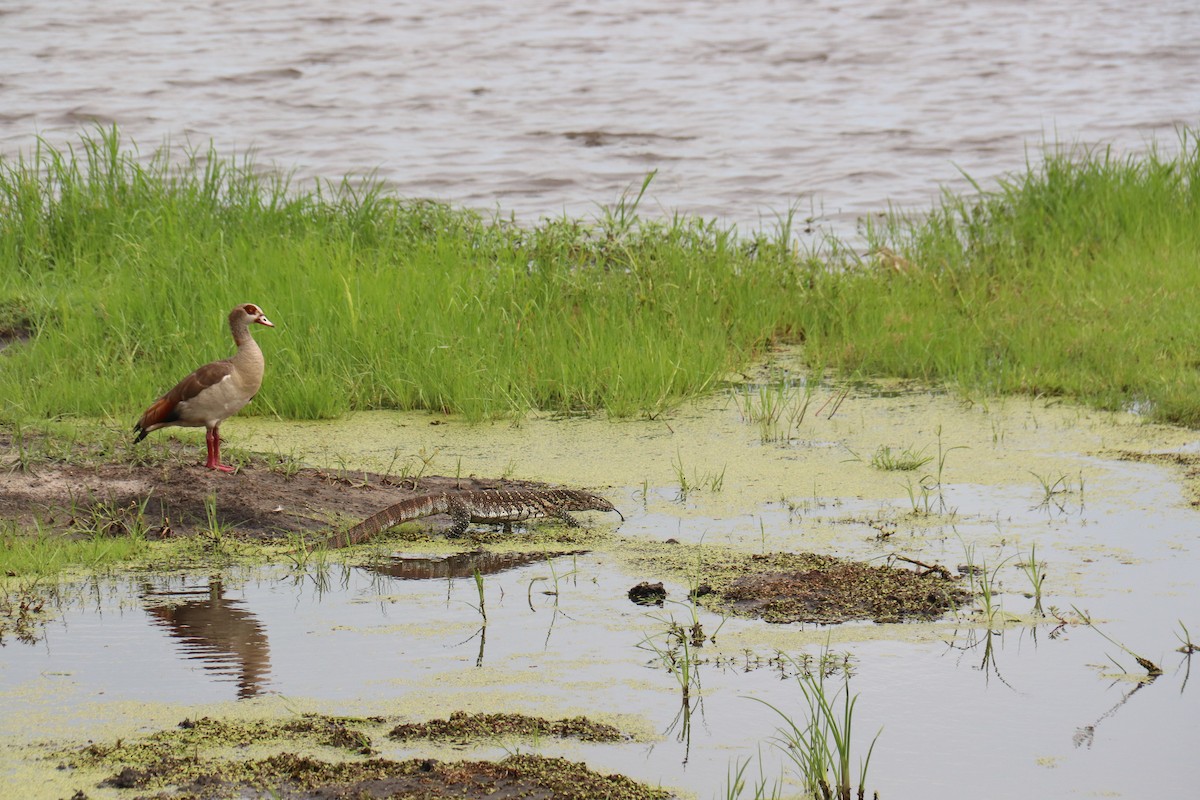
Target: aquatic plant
{"x": 1036, "y": 572}
{"x": 674, "y": 648}
{"x": 303, "y": 554}
{"x": 926, "y": 495}
{"x": 821, "y": 749}
{"x": 905, "y": 460}
{"x": 554, "y": 579}
{"x": 1057, "y": 489}
{"x": 985, "y": 586}
{"x": 478, "y": 576}
{"x": 21, "y": 612}
{"x": 735, "y": 782}
{"x": 286, "y": 465}
{"x": 1152, "y": 669}
{"x": 707, "y": 480}
{"x": 425, "y": 459}
{"x": 461, "y": 726}
{"x": 105, "y": 518}
{"x": 1189, "y": 646}
{"x": 777, "y": 408}
{"x": 215, "y": 531}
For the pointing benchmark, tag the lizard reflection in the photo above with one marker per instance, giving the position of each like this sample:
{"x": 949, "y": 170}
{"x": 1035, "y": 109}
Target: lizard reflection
{"x": 459, "y": 565}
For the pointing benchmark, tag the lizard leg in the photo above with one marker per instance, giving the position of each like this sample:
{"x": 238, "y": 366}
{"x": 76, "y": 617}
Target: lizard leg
{"x": 462, "y": 518}
{"x": 567, "y": 519}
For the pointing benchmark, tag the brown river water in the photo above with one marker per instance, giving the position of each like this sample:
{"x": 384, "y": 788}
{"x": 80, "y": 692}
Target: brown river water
{"x": 543, "y": 108}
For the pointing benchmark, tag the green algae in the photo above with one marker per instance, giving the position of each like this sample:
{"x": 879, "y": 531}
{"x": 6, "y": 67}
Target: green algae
{"x": 313, "y": 730}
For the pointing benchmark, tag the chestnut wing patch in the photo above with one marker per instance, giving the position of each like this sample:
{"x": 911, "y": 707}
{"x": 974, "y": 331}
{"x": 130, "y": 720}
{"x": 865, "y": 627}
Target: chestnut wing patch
{"x": 165, "y": 409}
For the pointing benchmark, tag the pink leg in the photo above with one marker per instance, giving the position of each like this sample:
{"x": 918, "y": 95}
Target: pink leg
{"x": 212, "y": 438}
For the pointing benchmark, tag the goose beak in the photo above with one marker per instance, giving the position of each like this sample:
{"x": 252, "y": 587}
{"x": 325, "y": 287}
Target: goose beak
{"x": 261, "y": 319}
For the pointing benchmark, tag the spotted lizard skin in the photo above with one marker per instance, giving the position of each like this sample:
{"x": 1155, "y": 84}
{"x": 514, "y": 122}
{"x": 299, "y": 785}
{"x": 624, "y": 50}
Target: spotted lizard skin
{"x": 500, "y": 506}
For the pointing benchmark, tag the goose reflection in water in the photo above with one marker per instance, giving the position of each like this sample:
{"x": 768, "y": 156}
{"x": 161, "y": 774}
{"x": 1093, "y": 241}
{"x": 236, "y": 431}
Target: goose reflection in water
{"x": 217, "y": 631}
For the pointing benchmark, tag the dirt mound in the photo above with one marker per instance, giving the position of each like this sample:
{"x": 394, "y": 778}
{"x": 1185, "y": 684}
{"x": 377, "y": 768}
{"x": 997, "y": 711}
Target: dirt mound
{"x": 185, "y": 499}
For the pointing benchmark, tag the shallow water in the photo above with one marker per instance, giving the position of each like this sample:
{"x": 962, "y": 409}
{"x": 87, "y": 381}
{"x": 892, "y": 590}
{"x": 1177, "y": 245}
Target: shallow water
{"x": 1033, "y": 709}
{"x": 548, "y": 107}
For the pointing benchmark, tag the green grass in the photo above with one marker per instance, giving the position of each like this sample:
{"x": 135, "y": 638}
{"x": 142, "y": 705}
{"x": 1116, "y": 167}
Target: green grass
{"x": 899, "y": 460}
{"x": 49, "y": 555}
{"x": 1076, "y": 277}
{"x": 778, "y": 408}
{"x": 821, "y": 748}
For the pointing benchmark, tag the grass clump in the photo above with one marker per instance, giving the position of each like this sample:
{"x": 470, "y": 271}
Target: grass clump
{"x": 1074, "y": 277}
{"x": 44, "y": 555}
{"x": 899, "y": 460}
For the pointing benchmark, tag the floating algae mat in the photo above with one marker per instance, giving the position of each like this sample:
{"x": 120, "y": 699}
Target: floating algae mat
{"x": 311, "y": 665}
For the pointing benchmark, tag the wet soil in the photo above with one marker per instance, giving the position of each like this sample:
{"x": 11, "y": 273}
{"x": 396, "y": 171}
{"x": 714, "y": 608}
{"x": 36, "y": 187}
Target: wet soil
{"x": 261, "y": 501}
{"x": 267, "y": 501}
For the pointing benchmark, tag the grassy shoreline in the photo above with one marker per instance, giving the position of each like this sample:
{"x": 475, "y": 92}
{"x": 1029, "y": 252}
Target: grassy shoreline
{"x": 1073, "y": 278}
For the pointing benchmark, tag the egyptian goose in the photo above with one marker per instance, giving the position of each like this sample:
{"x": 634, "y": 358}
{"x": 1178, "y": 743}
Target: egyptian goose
{"x": 215, "y": 391}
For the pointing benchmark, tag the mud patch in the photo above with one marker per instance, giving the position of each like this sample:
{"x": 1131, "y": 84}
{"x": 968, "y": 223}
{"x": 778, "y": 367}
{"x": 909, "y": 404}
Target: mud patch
{"x": 176, "y": 497}
{"x": 806, "y": 587}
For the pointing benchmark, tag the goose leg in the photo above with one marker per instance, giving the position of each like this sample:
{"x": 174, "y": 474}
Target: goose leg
{"x": 213, "y": 440}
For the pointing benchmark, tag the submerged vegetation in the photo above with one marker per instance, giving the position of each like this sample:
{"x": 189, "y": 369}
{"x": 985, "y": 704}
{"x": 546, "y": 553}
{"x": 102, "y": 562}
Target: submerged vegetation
{"x": 1075, "y": 277}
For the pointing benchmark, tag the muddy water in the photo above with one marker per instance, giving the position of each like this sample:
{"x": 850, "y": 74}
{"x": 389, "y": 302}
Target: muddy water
{"x": 544, "y": 107}
{"x": 1030, "y": 709}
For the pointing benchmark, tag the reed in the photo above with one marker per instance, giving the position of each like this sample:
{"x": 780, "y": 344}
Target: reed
{"x": 821, "y": 749}
{"x": 1152, "y": 669}
{"x": 1035, "y": 571}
